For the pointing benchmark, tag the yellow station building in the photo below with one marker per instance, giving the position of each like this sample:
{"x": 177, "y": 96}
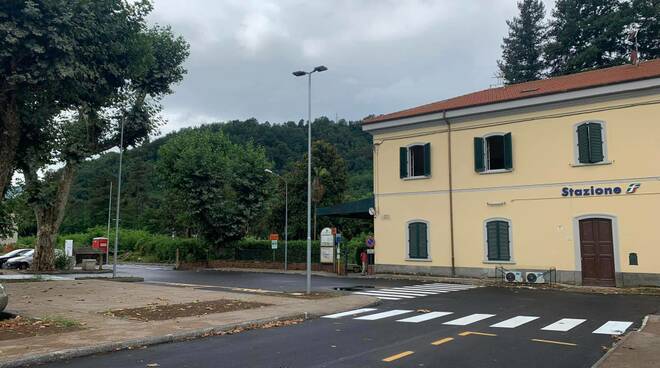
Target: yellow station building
{"x": 561, "y": 174}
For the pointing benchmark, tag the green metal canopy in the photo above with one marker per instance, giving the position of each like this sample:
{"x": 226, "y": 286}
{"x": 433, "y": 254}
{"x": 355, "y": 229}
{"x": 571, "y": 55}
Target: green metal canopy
{"x": 354, "y": 209}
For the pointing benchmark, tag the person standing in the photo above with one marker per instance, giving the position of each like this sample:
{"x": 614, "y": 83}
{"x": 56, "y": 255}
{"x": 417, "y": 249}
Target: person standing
{"x": 363, "y": 258}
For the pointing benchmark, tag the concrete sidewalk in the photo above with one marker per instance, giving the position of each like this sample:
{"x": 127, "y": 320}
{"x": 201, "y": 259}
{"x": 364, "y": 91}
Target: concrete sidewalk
{"x": 639, "y": 349}
{"x": 86, "y": 301}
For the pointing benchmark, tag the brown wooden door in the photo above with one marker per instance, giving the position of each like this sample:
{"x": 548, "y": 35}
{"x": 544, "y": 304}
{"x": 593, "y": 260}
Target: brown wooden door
{"x": 597, "y": 251}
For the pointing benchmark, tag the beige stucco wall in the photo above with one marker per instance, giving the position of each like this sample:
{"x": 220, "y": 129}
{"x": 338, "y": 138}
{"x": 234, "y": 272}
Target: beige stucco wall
{"x": 543, "y": 222}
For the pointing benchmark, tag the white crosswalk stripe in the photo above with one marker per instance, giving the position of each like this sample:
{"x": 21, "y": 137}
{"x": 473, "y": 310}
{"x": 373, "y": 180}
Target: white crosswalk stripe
{"x": 423, "y": 316}
{"x": 613, "y": 328}
{"x": 563, "y": 324}
{"x": 472, "y": 318}
{"x": 412, "y": 291}
{"x": 514, "y": 322}
{"x": 404, "y": 292}
{"x": 349, "y": 313}
{"x": 381, "y": 315}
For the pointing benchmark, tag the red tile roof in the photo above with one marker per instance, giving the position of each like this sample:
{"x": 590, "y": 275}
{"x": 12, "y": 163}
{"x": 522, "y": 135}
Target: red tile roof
{"x": 566, "y": 83}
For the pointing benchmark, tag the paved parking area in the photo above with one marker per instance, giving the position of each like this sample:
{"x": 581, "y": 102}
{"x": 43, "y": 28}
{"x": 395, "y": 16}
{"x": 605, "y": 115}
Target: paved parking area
{"x": 477, "y": 327}
{"x": 272, "y": 281}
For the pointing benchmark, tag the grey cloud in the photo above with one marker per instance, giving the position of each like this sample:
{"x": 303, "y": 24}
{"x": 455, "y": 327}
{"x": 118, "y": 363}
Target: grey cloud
{"x": 382, "y": 55}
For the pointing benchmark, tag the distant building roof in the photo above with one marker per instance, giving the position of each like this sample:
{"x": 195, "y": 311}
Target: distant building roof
{"x": 565, "y": 83}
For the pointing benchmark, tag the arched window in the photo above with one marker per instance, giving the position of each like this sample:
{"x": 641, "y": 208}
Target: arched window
{"x": 498, "y": 240}
{"x": 418, "y": 240}
{"x": 590, "y": 142}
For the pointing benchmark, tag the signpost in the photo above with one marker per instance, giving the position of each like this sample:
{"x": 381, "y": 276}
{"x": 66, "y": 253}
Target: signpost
{"x": 327, "y": 245}
{"x": 68, "y": 248}
{"x": 273, "y": 243}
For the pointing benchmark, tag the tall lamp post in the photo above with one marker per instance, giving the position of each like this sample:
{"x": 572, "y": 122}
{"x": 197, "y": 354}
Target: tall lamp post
{"x": 286, "y": 217}
{"x": 121, "y": 156}
{"x": 301, "y": 73}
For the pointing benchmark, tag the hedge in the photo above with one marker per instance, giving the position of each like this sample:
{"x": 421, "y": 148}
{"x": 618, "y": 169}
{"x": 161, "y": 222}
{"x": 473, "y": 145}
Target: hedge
{"x": 140, "y": 245}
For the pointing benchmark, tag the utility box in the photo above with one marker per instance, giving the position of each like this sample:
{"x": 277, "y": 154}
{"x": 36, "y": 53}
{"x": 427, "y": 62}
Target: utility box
{"x": 100, "y": 244}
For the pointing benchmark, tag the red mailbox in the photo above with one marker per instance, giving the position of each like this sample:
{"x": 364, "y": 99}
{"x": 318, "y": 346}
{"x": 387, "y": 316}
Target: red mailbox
{"x": 100, "y": 244}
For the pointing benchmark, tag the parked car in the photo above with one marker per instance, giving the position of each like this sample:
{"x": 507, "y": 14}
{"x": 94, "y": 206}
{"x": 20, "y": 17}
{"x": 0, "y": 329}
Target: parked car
{"x": 22, "y": 262}
{"x": 14, "y": 253}
{"x": 4, "y": 299}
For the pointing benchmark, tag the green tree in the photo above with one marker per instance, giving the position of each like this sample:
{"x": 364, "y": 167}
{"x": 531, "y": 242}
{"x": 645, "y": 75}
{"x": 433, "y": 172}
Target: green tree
{"x": 329, "y": 185}
{"x": 523, "y": 47}
{"x": 587, "y": 34}
{"x": 646, "y": 19}
{"x": 55, "y": 55}
{"x": 222, "y": 184}
{"x": 75, "y": 135}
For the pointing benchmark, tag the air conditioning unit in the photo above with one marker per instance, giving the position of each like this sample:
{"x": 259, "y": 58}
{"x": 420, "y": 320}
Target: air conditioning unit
{"x": 535, "y": 278}
{"x": 513, "y": 276}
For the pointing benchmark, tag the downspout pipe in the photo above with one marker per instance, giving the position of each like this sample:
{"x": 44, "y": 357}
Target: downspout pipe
{"x": 451, "y": 193}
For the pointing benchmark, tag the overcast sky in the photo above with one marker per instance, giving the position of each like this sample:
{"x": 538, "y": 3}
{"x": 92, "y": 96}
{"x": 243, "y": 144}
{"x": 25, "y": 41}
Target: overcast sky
{"x": 382, "y": 55}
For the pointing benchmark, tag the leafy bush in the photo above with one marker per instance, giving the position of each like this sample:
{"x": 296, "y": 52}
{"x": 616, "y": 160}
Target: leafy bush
{"x": 260, "y": 250}
{"x": 61, "y": 261}
{"x": 143, "y": 246}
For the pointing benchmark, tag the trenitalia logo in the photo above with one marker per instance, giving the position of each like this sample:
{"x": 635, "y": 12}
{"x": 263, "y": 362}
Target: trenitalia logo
{"x": 598, "y": 191}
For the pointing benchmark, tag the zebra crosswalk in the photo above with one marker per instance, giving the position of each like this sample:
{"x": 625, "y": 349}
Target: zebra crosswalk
{"x": 414, "y": 291}
{"x": 411, "y": 316}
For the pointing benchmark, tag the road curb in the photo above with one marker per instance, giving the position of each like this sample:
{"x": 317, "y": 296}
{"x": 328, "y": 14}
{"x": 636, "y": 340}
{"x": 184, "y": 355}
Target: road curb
{"x": 618, "y": 344}
{"x": 67, "y": 354}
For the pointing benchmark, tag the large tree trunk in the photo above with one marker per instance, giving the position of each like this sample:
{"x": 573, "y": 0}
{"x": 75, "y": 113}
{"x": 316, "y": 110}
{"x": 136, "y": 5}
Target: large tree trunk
{"x": 9, "y": 138}
{"x": 49, "y": 218}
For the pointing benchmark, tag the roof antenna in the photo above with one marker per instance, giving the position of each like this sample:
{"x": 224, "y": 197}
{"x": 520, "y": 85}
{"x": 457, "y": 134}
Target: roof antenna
{"x": 634, "y": 53}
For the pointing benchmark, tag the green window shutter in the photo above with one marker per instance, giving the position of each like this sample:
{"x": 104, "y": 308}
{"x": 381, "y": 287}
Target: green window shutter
{"x": 583, "y": 143}
{"x": 503, "y": 240}
{"x": 427, "y": 159}
{"x": 508, "y": 152}
{"x": 403, "y": 162}
{"x": 498, "y": 242}
{"x": 413, "y": 240}
{"x": 595, "y": 142}
{"x": 479, "y": 165}
{"x": 491, "y": 240}
{"x": 423, "y": 241}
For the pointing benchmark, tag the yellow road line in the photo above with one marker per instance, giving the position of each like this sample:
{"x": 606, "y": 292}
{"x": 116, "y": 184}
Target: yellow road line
{"x": 398, "y": 356}
{"x": 555, "y": 342}
{"x": 442, "y": 341}
{"x": 466, "y": 333}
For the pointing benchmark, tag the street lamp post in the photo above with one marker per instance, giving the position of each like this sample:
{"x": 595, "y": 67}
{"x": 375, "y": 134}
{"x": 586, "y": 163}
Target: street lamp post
{"x": 286, "y": 217}
{"x": 121, "y": 155}
{"x": 301, "y": 73}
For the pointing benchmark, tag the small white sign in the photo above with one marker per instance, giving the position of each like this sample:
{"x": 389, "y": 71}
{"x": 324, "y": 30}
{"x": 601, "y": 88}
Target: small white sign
{"x": 68, "y": 248}
{"x": 326, "y": 254}
{"x": 327, "y": 239}
{"x": 273, "y": 244}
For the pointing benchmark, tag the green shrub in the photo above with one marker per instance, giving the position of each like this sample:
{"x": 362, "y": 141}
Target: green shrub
{"x": 61, "y": 261}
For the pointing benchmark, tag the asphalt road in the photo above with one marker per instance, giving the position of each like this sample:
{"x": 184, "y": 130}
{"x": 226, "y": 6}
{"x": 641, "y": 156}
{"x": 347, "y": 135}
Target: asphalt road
{"x": 249, "y": 280}
{"x": 349, "y": 342}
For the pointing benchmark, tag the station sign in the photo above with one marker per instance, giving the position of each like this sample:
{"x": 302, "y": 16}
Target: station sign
{"x": 594, "y": 191}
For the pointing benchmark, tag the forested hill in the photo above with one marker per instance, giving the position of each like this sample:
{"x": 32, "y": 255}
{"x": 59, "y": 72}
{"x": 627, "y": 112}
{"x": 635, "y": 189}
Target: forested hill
{"x": 144, "y": 205}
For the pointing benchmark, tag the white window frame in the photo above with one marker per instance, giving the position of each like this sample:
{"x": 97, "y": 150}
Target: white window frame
{"x": 576, "y": 144}
{"x": 409, "y": 162}
{"x": 485, "y": 232}
{"x": 428, "y": 241}
{"x": 487, "y": 169}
